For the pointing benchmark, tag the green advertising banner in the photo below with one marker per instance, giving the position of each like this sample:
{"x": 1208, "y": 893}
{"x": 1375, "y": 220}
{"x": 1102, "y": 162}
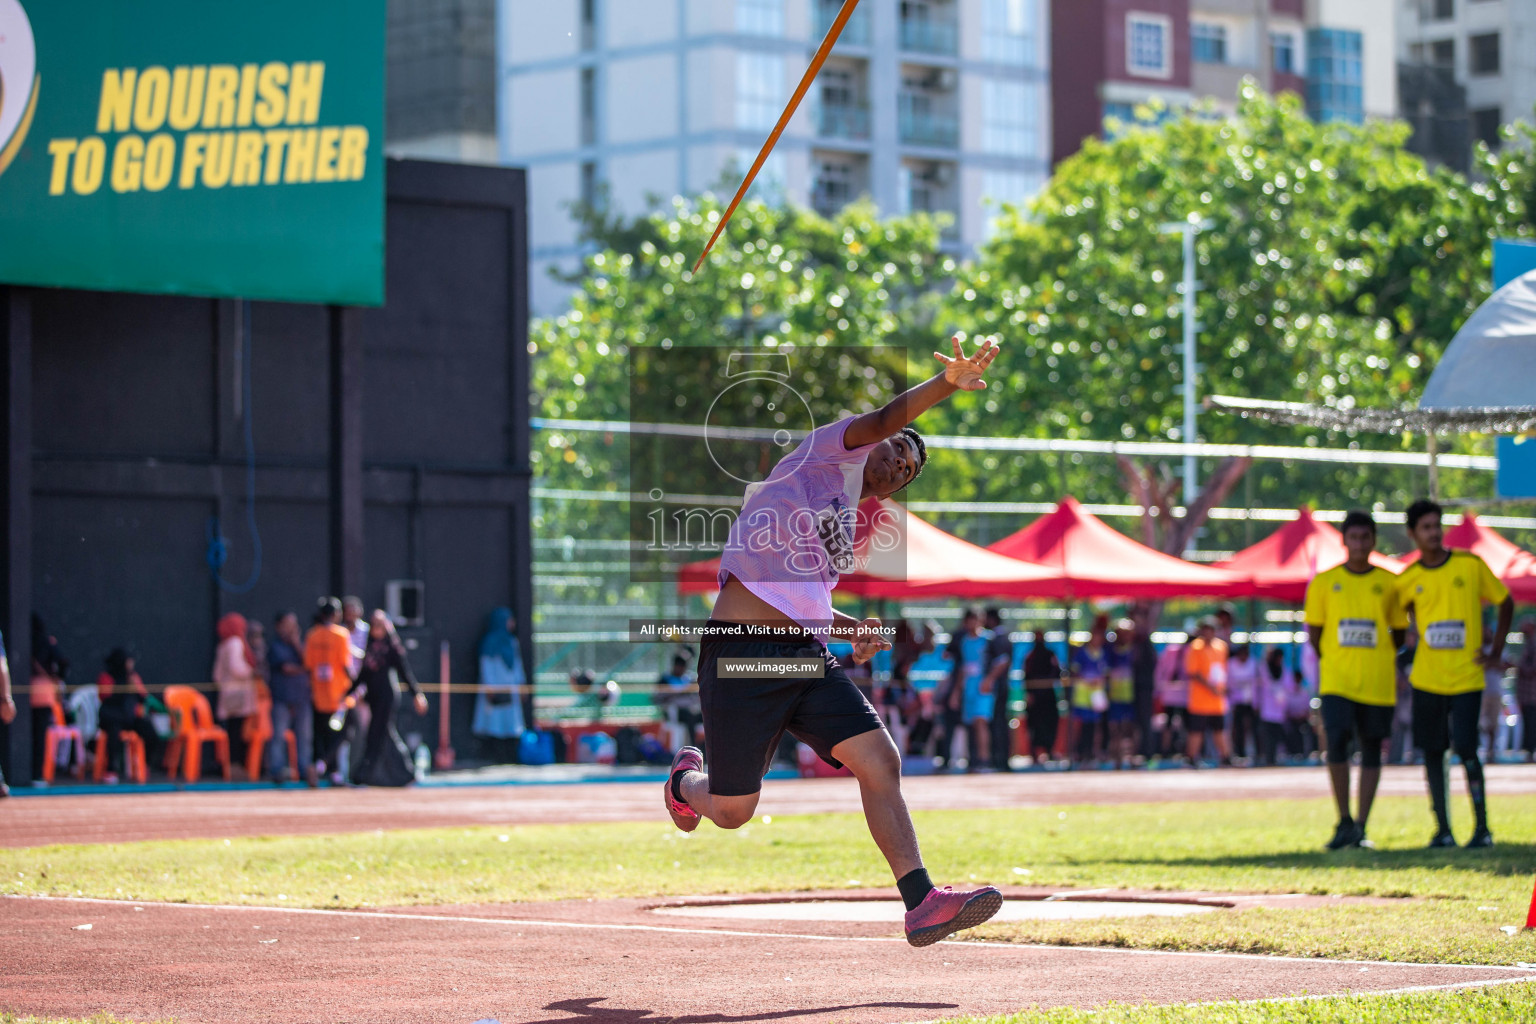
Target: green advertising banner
{"x": 194, "y": 148}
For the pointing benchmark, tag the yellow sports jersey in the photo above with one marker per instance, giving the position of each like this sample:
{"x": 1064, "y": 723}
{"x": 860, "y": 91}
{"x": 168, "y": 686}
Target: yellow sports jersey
{"x": 1353, "y": 616}
{"x": 1447, "y": 605}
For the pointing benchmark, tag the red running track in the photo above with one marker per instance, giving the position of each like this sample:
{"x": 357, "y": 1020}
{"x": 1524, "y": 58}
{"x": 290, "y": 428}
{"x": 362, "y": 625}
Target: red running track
{"x": 610, "y": 961}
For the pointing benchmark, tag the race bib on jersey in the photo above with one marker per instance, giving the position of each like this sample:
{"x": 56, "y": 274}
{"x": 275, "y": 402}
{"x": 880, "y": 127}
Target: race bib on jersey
{"x": 323, "y": 673}
{"x": 1448, "y": 635}
{"x": 835, "y": 530}
{"x": 1357, "y": 633}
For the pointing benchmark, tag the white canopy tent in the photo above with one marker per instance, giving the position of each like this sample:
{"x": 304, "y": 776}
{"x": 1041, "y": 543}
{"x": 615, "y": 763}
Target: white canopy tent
{"x": 1491, "y": 363}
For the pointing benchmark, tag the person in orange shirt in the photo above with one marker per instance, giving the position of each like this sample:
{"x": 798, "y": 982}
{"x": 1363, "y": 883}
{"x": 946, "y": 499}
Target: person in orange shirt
{"x": 1205, "y": 666}
{"x": 328, "y": 656}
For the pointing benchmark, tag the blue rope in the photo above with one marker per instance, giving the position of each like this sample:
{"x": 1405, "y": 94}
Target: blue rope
{"x": 218, "y": 544}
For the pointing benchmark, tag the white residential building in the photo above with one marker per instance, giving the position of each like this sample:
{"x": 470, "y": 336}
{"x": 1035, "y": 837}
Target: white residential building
{"x": 938, "y": 105}
{"x": 1487, "y": 46}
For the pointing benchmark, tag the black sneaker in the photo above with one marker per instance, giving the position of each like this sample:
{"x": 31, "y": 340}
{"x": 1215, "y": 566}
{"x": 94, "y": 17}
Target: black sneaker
{"x": 1442, "y": 840}
{"x": 1347, "y": 834}
{"x": 1482, "y": 839}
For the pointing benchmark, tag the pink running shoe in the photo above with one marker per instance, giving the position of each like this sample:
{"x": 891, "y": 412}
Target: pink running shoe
{"x": 688, "y": 759}
{"x": 946, "y": 911}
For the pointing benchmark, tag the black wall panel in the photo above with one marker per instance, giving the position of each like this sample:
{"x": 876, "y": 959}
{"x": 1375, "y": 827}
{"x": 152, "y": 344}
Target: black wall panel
{"x": 126, "y": 572}
{"x": 122, "y": 374}
{"x": 139, "y": 407}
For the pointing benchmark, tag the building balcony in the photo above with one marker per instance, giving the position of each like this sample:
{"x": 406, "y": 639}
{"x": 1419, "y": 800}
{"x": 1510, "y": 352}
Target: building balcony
{"x": 919, "y": 126}
{"x": 855, "y": 33}
{"x": 843, "y": 121}
{"x": 924, "y": 35}
{"x": 828, "y": 198}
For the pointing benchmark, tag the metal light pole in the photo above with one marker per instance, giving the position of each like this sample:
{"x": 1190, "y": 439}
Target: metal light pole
{"x": 1189, "y": 229}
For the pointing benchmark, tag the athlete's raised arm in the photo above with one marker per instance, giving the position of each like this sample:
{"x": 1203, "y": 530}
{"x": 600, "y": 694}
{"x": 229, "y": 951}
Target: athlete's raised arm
{"x": 961, "y": 373}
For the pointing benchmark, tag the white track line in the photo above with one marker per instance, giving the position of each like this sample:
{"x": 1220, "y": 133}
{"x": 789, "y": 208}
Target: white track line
{"x": 1529, "y": 972}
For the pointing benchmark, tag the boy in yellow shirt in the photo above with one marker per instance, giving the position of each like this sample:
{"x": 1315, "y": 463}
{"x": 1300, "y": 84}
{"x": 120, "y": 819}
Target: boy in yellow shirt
{"x": 1445, "y": 591}
{"x": 1356, "y": 624}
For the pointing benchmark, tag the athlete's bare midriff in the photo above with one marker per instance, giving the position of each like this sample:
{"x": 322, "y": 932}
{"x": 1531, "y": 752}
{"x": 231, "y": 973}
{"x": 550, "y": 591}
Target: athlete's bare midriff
{"x": 739, "y": 605}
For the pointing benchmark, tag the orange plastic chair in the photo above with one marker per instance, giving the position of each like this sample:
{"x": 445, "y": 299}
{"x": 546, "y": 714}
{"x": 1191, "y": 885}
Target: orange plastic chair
{"x": 58, "y": 733}
{"x": 193, "y": 726}
{"x": 258, "y": 733}
{"x": 133, "y": 744}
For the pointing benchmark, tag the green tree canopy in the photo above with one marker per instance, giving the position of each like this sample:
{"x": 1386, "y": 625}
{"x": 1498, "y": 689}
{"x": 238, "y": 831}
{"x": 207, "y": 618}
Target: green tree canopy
{"x": 1336, "y": 269}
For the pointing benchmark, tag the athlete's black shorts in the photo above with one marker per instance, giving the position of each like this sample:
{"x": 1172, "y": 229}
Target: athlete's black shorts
{"x": 1204, "y": 723}
{"x": 1442, "y": 722}
{"x": 745, "y": 716}
{"x": 1345, "y": 719}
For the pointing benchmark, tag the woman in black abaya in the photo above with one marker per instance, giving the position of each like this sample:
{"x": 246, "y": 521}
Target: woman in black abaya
{"x": 385, "y": 760}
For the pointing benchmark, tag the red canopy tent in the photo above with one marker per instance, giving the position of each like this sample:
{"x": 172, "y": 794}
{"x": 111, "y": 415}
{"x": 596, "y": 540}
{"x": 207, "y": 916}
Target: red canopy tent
{"x": 1282, "y": 564}
{"x": 927, "y": 556}
{"x": 1509, "y": 562}
{"x": 1090, "y": 559}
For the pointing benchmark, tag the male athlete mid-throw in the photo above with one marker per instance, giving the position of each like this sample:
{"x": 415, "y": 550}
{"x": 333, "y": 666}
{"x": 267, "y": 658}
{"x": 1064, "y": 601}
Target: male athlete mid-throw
{"x": 786, "y": 550}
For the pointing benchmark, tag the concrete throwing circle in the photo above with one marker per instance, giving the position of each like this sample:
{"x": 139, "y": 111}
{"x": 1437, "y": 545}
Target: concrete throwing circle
{"x": 892, "y": 911}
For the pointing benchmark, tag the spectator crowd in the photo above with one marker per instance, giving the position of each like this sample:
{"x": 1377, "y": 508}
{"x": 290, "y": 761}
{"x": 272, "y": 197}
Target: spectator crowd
{"x": 293, "y": 705}
{"x": 1118, "y": 700}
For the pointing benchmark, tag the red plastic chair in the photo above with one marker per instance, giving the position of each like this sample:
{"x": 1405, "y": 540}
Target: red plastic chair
{"x": 58, "y": 733}
{"x": 192, "y": 725}
{"x": 133, "y": 751}
{"x": 258, "y": 733}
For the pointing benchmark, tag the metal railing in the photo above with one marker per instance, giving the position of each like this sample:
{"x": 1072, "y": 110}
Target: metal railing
{"x": 920, "y": 127}
{"x": 855, "y": 33}
{"x": 926, "y": 35}
{"x": 843, "y": 120}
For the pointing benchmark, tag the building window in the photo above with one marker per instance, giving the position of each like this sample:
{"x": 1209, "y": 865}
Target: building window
{"x": 1005, "y": 31}
{"x": 1483, "y": 54}
{"x": 999, "y": 187}
{"x": 760, "y": 17}
{"x": 588, "y": 24}
{"x": 834, "y": 188}
{"x": 1282, "y": 53}
{"x": 925, "y": 188}
{"x": 759, "y": 89}
{"x": 1335, "y": 75}
{"x": 1437, "y": 10}
{"x": 1485, "y": 126}
{"x": 588, "y": 106}
{"x": 589, "y": 184}
{"x": 1126, "y": 116}
{"x": 842, "y": 113}
{"x": 1148, "y": 45}
{"x": 1123, "y": 112}
{"x": 769, "y": 186}
{"x": 855, "y": 31}
{"x": 1442, "y": 54}
{"x": 1007, "y": 118}
{"x": 1210, "y": 43}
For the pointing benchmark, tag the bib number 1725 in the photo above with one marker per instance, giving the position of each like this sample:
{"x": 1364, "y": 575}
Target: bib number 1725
{"x": 1357, "y": 633}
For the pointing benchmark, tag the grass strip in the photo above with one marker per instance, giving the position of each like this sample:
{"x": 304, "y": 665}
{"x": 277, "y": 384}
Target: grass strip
{"x": 1496, "y": 1004}
{"x": 1465, "y": 898}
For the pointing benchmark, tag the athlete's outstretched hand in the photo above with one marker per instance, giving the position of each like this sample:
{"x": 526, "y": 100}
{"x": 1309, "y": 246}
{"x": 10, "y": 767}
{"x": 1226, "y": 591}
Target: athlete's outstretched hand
{"x": 965, "y": 372}
{"x": 867, "y": 640}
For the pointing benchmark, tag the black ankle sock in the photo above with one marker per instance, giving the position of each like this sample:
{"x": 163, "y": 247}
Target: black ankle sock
{"x": 915, "y": 887}
{"x": 677, "y": 790}
{"x": 1477, "y": 791}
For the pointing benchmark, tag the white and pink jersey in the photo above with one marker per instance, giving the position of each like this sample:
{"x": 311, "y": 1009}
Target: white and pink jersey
{"x": 795, "y": 535}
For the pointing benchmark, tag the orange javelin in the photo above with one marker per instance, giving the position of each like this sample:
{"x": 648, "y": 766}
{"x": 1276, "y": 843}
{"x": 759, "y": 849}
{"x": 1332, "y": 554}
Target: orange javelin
{"x": 778, "y": 129}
